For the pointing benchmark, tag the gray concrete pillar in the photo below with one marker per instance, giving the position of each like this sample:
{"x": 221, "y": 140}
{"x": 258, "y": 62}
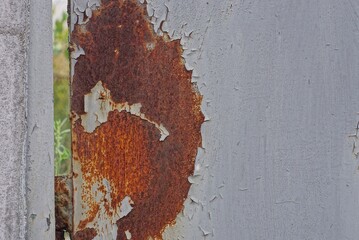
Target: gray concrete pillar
{"x": 26, "y": 152}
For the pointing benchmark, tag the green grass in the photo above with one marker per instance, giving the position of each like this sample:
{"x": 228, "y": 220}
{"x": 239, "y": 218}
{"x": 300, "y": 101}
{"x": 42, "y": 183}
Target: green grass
{"x": 62, "y": 152}
{"x": 62, "y": 126}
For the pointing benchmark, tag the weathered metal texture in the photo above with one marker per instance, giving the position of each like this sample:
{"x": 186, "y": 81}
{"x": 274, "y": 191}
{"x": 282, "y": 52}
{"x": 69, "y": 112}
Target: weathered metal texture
{"x": 280, "y": 86}
{"x": 63, "y": 206}
{"x": 136, "y": 125}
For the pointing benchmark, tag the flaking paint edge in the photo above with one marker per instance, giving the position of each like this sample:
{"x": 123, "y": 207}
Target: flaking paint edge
{"x": 124, "y": 106}
{"x": 98, "y": 104}
{"x": 159, "y": 12}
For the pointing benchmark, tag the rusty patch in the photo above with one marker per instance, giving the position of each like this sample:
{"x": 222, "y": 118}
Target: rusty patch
{"x": 88, "y": 233}
{"x": 124, "y": 173}
{"x": 63, "y": 206}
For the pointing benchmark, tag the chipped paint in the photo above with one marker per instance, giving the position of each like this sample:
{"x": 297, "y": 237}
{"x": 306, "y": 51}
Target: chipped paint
{"x": 104, "y": 222}
{"x": 99, "y": 103}
{"x": 83, "y": 11}
{"x": 355, "y": 149}
{"x": 128, "y": 235}
{"x": 136, "y": 123}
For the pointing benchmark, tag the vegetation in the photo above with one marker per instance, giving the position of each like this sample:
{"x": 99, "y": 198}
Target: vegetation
{"x": 62, "y": 153}
{"x": 62, "y": 136}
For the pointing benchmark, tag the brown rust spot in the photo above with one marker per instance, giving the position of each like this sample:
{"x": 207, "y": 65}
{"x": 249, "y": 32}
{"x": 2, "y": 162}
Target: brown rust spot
{"x": 126, "y": 151}
{"x": 63, "y": 206}
{"x": 86, "y": 234}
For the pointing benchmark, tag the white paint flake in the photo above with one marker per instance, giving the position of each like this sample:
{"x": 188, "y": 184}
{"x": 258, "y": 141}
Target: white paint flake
{"x": 77, "y": 52}
{"x": 105, "y": 221}
{"x": 126, "y": 207}
{"x": 98, "y": 104}
{"x": 83, "y": 10}
{"x": 128, "y": 235}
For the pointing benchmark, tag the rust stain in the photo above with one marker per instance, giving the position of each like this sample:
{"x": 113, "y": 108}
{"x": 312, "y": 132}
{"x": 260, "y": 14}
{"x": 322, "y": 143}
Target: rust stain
{"x": 63, "y": 206}
{"x": 88, "y": 233}
{"x": 123, "y": 157}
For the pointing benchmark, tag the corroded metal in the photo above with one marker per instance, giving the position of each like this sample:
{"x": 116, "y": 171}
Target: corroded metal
{"x": 136, "y": 125}
{"x": 63, "y": 206}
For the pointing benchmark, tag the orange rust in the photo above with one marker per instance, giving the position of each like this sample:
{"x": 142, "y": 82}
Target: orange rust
{"x": 91, "y": 216}
{"x": 126, "y": 150}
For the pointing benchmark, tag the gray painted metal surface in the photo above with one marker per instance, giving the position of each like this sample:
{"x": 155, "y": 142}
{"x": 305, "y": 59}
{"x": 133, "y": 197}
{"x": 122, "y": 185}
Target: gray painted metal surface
{"x": 40, "y": 156}
{"x": 280, "y": 81}
{"x": 26, "y": 121}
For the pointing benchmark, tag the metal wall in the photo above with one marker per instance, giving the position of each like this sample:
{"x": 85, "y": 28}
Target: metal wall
{"x": 279, "y": 81}
{"x": 40, "y": 155}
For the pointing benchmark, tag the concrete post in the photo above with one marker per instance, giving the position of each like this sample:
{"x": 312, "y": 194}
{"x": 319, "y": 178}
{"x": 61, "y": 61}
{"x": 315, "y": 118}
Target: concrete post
{"x": 26, "y": 122}
{"x": 13, "y": 125}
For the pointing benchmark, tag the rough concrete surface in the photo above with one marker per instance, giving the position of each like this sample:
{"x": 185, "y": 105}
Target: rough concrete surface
{"x": 13, "y": 15}
{"x": 12, "y": 135}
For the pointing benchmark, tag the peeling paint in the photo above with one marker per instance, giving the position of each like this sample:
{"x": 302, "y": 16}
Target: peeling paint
{"x": 103, "y": 221}
{"x": 83, "y": 10}
{"x": 99, "y": 103}
{"x": 355, "y": 149}
{"x": 76, "y": 52}
{"x": 136, "y": 122}
{"x": 128, "y": 235}
{"x": 205, "y": 232}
